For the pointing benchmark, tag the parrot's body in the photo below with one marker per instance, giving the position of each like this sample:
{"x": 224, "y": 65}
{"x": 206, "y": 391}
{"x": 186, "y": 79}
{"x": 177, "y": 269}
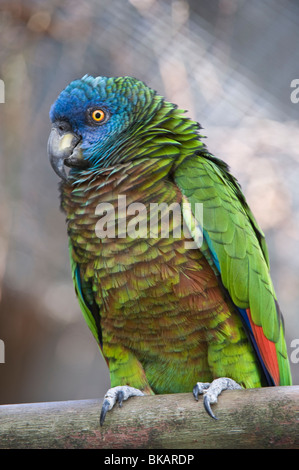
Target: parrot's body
{"x": 165, "y": 315}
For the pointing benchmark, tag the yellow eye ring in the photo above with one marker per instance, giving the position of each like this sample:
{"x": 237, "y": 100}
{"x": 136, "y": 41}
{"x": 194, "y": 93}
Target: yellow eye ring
{"x": 98, "y": 115}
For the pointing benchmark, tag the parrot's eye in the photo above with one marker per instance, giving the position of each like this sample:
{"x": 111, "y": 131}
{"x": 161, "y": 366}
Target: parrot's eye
{"x": 97, "y": 115}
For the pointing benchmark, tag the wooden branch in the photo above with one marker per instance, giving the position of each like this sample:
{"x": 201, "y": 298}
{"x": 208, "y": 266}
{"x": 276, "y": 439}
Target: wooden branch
{"x": 256, "y": 418}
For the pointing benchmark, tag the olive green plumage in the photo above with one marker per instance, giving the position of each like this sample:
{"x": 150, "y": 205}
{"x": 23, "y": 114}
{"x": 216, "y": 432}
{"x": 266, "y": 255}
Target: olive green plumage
{"x": 166, "y": 316}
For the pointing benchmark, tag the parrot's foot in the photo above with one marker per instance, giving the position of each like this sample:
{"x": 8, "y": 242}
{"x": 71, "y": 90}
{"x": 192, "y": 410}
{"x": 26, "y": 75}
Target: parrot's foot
{"x": 117, "y": 394}
{"x": 212, "y": 390}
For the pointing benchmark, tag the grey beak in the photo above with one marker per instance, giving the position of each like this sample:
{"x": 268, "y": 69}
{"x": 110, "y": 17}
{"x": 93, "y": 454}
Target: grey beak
{"x": 63, "y": 149}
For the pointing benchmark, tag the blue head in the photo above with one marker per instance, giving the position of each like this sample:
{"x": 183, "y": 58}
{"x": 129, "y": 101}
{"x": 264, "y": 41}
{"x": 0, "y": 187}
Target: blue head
{"x": 93, "y": 119}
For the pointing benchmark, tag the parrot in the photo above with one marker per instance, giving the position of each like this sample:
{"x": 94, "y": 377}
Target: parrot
{"x": 188, "y": 309}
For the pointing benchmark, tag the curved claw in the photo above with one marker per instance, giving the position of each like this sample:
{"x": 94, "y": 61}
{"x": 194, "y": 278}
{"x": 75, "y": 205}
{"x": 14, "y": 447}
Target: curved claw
{"x": 120, "y": 398}
{"x": 105, "y": 408}
{"x": 195, "y": 392}
{"x": 200, "y": 388}
{"x": 117, "y": 395}
{"x": 207, "y": 405}
{"x": 212, "y": 390}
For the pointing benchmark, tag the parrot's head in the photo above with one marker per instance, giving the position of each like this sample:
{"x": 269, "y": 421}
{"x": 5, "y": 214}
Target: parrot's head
{"x": 94, "y": 119}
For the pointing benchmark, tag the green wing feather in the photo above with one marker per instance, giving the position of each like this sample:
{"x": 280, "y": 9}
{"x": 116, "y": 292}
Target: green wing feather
{"x": 86, "y": 301}
{"x": 238, "y": 244}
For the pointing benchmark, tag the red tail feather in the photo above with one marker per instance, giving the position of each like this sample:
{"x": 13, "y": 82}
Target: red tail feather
{"x": 266, "y": 348}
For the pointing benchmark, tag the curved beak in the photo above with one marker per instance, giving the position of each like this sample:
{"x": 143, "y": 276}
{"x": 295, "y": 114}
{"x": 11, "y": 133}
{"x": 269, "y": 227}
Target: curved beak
{"x": 64, "y": 149}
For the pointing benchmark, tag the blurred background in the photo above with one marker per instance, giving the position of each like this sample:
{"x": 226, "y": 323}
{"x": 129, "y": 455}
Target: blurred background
{"x": 230, "y": 63}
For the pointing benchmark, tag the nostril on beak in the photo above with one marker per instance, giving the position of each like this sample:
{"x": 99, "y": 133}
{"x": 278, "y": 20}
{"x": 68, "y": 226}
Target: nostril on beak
{"x": 63, "y": 127}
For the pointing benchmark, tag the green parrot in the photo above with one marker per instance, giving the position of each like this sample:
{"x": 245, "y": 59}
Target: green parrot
{"x": 179, "y": 297}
